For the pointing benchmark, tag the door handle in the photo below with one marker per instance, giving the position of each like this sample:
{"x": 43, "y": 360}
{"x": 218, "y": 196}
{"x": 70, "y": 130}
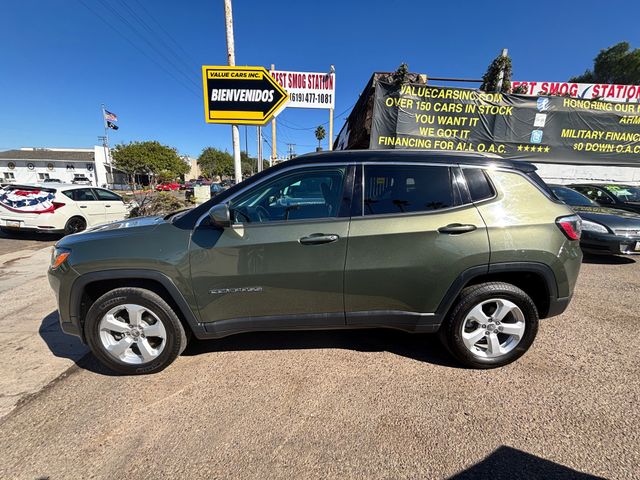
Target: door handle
{"x": 457, "y": 228}
{"x": 83, "y": 206}
{"x": 108, "y": 206}
{"x": 318, "y": 239}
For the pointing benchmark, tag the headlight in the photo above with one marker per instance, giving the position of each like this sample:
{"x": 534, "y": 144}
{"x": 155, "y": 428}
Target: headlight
{"x": 58, "y": 256}
{"x": 588, "y": 226}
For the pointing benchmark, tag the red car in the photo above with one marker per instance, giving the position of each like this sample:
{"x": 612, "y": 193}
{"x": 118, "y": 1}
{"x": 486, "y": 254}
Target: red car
{"x": 167, "y": 186}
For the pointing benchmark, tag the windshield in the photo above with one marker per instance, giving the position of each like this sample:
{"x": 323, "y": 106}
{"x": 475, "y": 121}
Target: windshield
{"x": 571, "y": 197}
{"x": 625, "y": 193}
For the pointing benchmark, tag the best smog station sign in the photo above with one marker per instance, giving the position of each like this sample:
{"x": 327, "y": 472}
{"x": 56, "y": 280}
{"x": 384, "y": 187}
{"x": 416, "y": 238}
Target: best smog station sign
{"x": 544, "y": 129}
{"x": 308, "y": 89}
{"x": 241, "y": 95}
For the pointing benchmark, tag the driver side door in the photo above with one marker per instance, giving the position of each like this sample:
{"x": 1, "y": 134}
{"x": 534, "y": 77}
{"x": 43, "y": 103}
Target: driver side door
{"x": 280, "y": 265}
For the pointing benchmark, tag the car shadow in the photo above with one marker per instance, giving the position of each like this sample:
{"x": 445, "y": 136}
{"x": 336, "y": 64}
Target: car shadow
{"x": 68, "y": 346}
{"x": 421, "y": 347}
{"x": 35, "y": 236}
{"x": 607, "y": 259}
{"x": 513, "y": 464}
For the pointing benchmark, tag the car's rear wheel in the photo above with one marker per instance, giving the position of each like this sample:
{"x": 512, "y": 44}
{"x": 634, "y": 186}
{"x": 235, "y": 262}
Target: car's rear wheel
{"x": 134, "y": 331}
{"x": 491, "y": 325}
{"x": 75, "y": 225}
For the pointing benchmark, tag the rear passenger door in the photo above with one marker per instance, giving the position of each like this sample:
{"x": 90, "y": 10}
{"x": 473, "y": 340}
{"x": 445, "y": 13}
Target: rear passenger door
{"x": 88, "y": 203}
{"x": 412, "y": 234}
{"x": 115, "y": 208}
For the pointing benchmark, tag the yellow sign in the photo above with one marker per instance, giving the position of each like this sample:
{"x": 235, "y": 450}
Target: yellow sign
{"x": 241, "y": 95}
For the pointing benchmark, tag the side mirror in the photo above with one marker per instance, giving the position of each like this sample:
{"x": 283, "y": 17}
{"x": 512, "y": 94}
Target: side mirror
{"x": 220, "y": 215}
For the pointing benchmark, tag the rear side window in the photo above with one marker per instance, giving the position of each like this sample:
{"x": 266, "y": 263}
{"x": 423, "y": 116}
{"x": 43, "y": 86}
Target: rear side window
{"x": 406, "y": 189}
{"x": 106, "y": 195}
{"x": 540, "y": 183}
{"x": 80, "y": 195}
{"x": 478, "y": 184}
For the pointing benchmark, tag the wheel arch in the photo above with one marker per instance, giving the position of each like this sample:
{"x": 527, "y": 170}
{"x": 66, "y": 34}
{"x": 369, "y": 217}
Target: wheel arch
{"x": 89, "y": 287}
{"x": 536, "y": 279}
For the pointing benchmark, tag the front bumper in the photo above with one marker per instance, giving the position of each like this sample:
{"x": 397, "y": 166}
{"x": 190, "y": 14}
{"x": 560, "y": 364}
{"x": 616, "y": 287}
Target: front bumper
{"x": 61, "y": 280}
{"x": 609, "y": 244}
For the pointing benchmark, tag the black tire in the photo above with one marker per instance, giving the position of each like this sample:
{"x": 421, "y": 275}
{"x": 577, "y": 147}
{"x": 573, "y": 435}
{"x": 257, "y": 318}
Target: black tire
{"x": 450, "y": 332}
{"x": 176, "y": 338}
{"x": 75, "y": 225}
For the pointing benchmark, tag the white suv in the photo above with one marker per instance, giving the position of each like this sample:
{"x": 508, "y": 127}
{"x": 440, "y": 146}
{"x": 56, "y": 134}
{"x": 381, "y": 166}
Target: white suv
{"x": 57, "y": 208}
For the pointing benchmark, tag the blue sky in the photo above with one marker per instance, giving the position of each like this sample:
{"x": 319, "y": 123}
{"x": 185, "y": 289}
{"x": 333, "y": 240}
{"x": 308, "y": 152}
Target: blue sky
{"x": 60, "y": 60}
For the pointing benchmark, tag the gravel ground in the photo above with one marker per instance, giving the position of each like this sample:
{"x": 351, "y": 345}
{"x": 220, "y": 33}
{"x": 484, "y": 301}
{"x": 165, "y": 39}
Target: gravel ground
{"x": 361, "y": 404}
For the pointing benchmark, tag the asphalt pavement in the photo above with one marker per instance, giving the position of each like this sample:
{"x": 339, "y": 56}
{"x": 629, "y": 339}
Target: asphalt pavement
{"x": 358, "y": 404}
{"x": 23, "y": 241}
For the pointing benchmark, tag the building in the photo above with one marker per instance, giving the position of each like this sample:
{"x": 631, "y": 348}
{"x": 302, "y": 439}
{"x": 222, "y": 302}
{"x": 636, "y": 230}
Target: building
{"x": 32, "y": 165}
{"x": 195, "y": 171}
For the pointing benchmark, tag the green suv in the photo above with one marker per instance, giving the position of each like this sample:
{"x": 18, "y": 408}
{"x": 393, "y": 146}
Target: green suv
{"x": 474, "y": 248}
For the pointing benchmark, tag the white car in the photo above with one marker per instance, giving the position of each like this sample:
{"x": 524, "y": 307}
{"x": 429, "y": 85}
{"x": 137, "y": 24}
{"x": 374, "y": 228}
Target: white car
{"x": 57, "y": 208}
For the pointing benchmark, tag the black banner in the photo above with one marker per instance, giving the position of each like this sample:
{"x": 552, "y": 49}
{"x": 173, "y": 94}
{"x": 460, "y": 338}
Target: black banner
{"x": 538, "y": 129}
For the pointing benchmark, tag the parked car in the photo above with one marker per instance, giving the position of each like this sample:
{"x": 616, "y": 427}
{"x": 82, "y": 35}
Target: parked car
{"x": 57, "y": 209}
{"x": 80, "y": 180}
{"x": 607, "y": 231}
{"x": 167, "y": 187}
{"x": 474, "y": 248}
{"x": 52, "y": 180}
{"x": 216, "y": 188}
{"x": 623, "y": 197}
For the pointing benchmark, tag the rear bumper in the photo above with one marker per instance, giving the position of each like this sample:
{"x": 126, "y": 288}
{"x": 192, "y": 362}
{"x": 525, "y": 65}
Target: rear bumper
{"x": 609, "y": 244}
{"x": 557, "y": 306}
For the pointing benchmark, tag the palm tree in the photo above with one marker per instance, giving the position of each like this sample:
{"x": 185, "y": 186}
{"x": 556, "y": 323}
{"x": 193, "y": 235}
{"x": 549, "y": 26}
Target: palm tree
{"x": 320, "y": 134}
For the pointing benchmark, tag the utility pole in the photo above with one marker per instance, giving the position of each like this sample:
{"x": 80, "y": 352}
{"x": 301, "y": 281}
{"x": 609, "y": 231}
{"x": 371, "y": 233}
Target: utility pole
{"x": 259, "y": 148}
{"x": 273, "y": 134}
{"x": 291, "y": 151}
{"x": 231, "y": 60}
{"x": 331, "y": 72}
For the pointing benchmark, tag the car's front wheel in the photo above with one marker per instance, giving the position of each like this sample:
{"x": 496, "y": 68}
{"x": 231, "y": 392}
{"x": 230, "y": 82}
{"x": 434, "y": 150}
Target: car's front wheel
{"x": 134, "y": 331}
{"x": 491, "y": 325}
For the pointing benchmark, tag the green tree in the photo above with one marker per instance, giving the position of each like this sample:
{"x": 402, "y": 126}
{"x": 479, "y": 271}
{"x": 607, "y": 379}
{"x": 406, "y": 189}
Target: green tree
{"x": 616, "y": 64}
{"x": 491, "y": 78}
{"x": 214, "y": 162}
{"x": 148, "y": 158}
{"x": 320, "y": 134}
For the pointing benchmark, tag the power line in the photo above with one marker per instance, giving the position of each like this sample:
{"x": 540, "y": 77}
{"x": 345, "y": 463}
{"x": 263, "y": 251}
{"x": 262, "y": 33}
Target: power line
{"x": 150, "y": 15}
{"x": 153, "y": 33}
{"x": 162, "y": 67}
{"x": 113, "y": 10}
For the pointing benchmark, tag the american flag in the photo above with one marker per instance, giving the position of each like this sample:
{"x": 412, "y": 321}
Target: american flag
{"x": 110, "y": 117}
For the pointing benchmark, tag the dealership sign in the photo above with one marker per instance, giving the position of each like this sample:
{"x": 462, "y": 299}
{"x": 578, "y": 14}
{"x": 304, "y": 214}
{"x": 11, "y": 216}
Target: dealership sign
{"x": 241, "y": 95}
{"x": 308, "y": 89}
{"x": 546, "y": 129}
{"x": 600, "y": 91}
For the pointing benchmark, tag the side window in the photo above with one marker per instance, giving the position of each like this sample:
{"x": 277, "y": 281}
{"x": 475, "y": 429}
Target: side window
{"x": 81, "y": 195}
{"x": 406, "y": 188}
{"x": 106, "y": 195}
{"x": 305, "y": 194}
{"x": 596, "y": 194}
{"x": 478, "y": 184}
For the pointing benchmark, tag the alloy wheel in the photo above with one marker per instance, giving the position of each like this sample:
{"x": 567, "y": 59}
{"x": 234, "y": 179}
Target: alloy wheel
{"x": 493, "y": 328}
{"x": 132, "y": 334}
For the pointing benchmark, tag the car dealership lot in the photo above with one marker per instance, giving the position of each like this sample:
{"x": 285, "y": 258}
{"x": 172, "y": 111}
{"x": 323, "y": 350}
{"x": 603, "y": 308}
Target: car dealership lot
{"x": 358, "y": 404}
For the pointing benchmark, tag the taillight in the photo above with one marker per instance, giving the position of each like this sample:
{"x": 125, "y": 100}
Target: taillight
{"x": 571, "y": 226}
{"x": 57, "y": 205}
